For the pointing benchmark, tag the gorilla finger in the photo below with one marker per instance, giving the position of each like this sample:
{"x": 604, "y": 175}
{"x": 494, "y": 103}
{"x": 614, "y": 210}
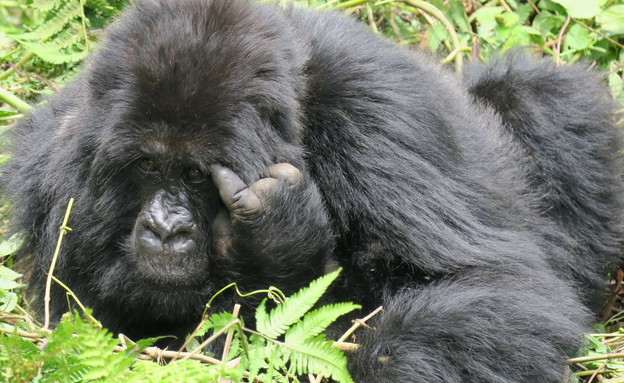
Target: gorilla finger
{"x": 287, "y": 172}
{"x": 234, "y": 192}
{"x": 265, "y": 188}
{"x": 222, "y": 232}
{"x": 227, "y": 182}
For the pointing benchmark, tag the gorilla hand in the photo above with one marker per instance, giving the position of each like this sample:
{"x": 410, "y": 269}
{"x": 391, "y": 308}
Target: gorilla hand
{"x": 248, "y": 202}
{"x": 272, "y": 220}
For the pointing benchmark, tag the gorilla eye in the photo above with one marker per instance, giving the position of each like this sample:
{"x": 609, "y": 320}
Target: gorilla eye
{"x": 146, "y": 165}
{"x": 196, "y": 176}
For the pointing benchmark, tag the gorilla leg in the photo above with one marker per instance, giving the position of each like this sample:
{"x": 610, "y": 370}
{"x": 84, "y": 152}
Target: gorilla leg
{"x": 563, "y": 118}
{"x": 481, "y": 326}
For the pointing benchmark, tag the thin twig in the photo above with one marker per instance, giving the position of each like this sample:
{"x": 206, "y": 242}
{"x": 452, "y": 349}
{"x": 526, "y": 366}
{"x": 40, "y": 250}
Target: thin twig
{"x": 591, "y": 358}
{"x": 598, "y": 32}
{"x": 29, "y": 335}
{"x": 212, "y": 338}
{"x": 62, "y": 231}
{"x": 559, "y": 40}
{"x": 430, "y": 9}
{"x": 536, "y": 9}
{"x": 358, "y": 323}
{"x": 191, "y": 336}
{"x": 349, "y": 347}
{"x": 506, "y": 6}
{"x": 154, "y": 353}
{"x": 597, "y": 371}
{"x": 230, "y": 335}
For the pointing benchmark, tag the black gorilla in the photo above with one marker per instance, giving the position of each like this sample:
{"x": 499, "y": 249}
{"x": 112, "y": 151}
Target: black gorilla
{"x": 208, "y": 142}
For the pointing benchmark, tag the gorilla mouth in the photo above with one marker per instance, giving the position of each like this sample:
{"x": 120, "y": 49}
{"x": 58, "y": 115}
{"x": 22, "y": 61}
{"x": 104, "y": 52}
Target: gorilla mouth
{"x": 169, "y": 257}
{"x": 174, "y": 271}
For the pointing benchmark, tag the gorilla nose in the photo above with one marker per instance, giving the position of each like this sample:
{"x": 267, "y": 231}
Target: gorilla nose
{"x": 172, "y": 233}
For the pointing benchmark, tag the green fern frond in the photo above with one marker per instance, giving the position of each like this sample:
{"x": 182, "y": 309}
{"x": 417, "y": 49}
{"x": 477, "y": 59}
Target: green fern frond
{"x": 255, "y": 360}
{"x": 318, "y": 356}
{"x": 84, "y": 352}
{"x": 289, "y": 312}
{"x": 316, "y": 321}
{"x": 187, "y": 371}
{"x": 58, "y": 19}
{"x": 44, "y": 5}
{"x": 67, "y": 38}
{"x": 262, "y": 317}
{"x": 72, "y": 55}
{"x": 216, "y": 322}
{"x": 103, "y": 6}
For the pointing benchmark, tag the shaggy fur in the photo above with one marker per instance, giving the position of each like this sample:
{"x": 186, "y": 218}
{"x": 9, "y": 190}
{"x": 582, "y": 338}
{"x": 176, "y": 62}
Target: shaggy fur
{"x": 480, "y": 213}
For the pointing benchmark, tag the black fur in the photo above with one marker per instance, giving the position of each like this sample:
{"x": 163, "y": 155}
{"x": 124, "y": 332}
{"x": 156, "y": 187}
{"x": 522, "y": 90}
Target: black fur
{"x": 481, "y": 214}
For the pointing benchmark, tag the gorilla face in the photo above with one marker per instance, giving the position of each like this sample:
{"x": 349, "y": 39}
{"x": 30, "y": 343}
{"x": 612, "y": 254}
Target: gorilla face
{"x": 167, "y": 238}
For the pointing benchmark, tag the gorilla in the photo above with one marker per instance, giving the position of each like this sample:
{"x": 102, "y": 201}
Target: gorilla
{"x": 216, "y": 141}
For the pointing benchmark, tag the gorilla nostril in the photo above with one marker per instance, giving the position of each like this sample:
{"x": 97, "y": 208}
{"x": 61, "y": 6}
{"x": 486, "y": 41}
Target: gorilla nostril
{"x": 182, "y": 235}
{"x": 147, "y": 229}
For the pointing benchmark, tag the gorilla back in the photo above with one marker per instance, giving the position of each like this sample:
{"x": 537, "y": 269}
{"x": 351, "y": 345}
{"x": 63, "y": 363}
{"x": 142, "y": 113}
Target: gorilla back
{"x": 208, "y": 142}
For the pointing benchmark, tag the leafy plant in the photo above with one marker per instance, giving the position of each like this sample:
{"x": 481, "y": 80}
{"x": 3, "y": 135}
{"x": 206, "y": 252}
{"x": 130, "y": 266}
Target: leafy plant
{"x": 288, "y": 343}
{"x": 303, "y": 349}
{"x": 62, "y": 34}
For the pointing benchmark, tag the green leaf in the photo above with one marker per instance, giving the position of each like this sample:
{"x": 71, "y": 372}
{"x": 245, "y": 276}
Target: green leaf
{"x": 612, "y": 19}
{"x": 617, "y": 90}
{"x": 578, "y": 38}
{"x": 437, "y": 34}
{"x": 319, "y": 357}
{"x": 458, "y": 15}
{"x": 11, "y": 245}
{"x": 216, "y": 322}
{"x": 8, "y": 279}
{"x": 548, "y": 23}
{"x": 255, "y": 360}
{"x": 289, "y": 312}
{"x": 59, "y": 18}
{"x": 192, "y": 345}
{"x": 8, "y": 302}
{"x": 486, "y": 15}
{"x": 585, "y": 9}
{"x": 316, "y": 321}
{"x": 597, "y": 345}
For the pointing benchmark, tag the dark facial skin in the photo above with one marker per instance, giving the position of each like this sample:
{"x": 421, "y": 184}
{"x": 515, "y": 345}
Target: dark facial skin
{"x": 167, "y": 235}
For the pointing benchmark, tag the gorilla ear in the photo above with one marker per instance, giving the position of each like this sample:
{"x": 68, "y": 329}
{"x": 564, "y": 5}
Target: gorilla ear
{"x": 284, "y": 121}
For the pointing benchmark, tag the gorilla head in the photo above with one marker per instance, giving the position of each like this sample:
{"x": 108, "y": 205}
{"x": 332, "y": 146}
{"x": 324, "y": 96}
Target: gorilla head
{"x": 170, "y": 107}
{"x": 217, "y": 141}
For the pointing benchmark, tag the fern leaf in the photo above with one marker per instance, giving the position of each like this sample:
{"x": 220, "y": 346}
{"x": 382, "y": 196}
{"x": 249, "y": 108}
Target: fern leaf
{"x": 318, "y": 356}
{"x": 255, "y": 359}
{"x": 316, "y": 321}
{"x": 59, "y": 18}
{"x": 262, "y": 317}
{"x": 216, "y": 322}
{"x": 274, "y": 353}
{"x": 67, "y": 38}
{"x": 102, "y": 6}
{"x": 289, "y": 312}
{"x": 187, "y": 371}
{"x": 44, "y": 5}
{"x": 73, "y": 55}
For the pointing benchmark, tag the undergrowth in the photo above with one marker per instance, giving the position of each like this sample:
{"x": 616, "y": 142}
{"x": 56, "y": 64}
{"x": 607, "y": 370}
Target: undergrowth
{"x": 287, "y": 343}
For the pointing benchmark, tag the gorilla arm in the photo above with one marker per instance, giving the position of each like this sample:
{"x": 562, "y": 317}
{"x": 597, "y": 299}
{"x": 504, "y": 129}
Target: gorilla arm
{"x": 276, "y": 227}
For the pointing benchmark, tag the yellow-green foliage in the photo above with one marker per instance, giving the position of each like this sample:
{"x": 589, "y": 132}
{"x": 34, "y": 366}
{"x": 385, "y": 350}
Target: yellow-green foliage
{"x": 79, "y": 350}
